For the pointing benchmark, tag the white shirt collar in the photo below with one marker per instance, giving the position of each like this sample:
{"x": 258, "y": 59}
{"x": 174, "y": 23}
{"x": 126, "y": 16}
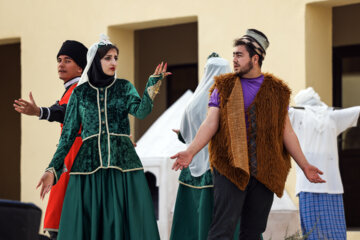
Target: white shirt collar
{"x": 71, "y": 82}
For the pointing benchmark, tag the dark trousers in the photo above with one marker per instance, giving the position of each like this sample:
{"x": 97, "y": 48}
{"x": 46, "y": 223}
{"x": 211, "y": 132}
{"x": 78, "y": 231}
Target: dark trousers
{"x": 252, "y": 206}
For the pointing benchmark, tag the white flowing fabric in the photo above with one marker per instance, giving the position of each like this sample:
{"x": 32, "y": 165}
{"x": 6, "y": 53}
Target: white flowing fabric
{"x": 310, "y": 100}
{"x": 104, "y": 40}
{"x": 195, "y": 112}
{"x": 317, "y": 127}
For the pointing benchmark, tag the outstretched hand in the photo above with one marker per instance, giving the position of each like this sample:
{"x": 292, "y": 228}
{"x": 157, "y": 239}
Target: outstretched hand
{"x": 312, "y": 174}
{"x": 25, "y": 107}
{"x": 182, "y": 160}
{"x": 161, "y": 68}
{"x": 46, "y": 182}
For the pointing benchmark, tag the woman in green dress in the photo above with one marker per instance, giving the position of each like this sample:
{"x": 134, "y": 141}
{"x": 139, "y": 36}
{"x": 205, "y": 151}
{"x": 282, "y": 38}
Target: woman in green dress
{"x": 194, "y": 202}
{"x": 107, "y": 196}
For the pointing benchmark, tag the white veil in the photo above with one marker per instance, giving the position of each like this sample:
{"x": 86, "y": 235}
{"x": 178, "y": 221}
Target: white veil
{"x": 104, "y": 40}
{"x": 314, "y": 107}
{"x": 196, "y": 110}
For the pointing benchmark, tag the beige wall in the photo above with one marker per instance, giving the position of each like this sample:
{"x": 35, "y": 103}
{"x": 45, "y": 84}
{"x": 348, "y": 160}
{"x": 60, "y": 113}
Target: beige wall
{"x": 318, "y": 38}
{"x": 299, "y": 52}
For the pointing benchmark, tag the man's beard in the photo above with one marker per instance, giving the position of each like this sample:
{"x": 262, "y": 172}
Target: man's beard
{"x": 246, "y": 69}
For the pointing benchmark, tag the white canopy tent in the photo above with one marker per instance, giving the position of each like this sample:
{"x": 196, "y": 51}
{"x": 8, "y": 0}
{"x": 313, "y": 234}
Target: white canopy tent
{"x": 154, "y": 149}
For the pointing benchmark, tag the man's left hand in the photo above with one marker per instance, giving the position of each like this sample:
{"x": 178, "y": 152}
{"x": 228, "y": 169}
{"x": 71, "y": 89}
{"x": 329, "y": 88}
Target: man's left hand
{"x": 312, "y": 174}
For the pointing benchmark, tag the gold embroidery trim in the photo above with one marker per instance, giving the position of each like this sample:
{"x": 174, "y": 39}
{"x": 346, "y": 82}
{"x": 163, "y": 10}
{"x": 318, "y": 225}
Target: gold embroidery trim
{"x": 112, "y": 167}
{"x": 191, "y": 186}
{"x": 154, "y": 90}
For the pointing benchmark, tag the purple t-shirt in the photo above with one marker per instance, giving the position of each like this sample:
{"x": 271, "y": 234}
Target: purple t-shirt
{"x": 250, "y": 88}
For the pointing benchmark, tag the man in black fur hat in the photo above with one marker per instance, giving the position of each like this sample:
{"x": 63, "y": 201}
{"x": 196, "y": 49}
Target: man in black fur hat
{"x": 71, "y": 60}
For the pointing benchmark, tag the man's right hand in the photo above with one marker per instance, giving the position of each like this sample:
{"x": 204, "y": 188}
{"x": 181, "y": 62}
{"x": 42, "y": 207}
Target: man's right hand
{"x": 206, "y": 131}
{"x": 182, "y": 160}
{"x": 25, "y": 107}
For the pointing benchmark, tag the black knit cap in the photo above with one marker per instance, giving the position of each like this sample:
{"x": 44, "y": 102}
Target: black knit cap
{"x": 76, "y": 50}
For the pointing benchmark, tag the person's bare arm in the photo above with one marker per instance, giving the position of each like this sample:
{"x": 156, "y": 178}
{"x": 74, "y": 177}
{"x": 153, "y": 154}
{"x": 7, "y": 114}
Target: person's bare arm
{"x": 292, "y": 145}
{"x": 206, "y": 131}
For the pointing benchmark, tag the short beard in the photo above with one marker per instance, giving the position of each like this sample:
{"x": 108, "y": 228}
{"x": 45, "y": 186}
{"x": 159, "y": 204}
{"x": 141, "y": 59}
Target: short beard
{"x": 246, "y": 69}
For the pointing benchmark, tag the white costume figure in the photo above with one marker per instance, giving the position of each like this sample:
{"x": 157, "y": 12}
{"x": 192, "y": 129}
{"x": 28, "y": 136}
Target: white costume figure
{"x": 317, "y": 127}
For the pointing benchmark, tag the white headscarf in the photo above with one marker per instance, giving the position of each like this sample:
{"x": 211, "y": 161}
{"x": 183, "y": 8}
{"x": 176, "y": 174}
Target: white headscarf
{"x": 196, "y": 110}
{"x": 314, "y": 107}
{"x": 104, "y": 40}
{"x": 308, "y": 97}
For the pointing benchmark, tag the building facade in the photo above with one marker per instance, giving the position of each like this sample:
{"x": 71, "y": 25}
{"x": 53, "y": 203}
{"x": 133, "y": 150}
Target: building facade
{"x": 303, "y": 36}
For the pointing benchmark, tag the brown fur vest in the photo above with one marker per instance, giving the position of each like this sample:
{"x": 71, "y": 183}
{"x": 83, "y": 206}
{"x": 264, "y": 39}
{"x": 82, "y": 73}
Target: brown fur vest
{"x": 228, "y": 148}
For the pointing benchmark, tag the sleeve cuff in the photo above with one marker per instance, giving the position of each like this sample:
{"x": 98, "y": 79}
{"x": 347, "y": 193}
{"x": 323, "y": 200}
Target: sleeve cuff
{"x": 44, "y": 113}
{"x": 48, "y": 110}
{"x": 52, "y": 170}
{"x": 213, "y": 105}
{"x": 41, "y": 113}
{"x": 153, "y": 86}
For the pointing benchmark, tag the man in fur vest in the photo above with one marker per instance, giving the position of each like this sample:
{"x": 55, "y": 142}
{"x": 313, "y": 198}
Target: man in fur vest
{"x": 251, "y": 140}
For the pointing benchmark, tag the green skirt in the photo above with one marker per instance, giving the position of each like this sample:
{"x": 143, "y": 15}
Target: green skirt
{"x": 108, "y": 204}
{"x": 193, "y": 207}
